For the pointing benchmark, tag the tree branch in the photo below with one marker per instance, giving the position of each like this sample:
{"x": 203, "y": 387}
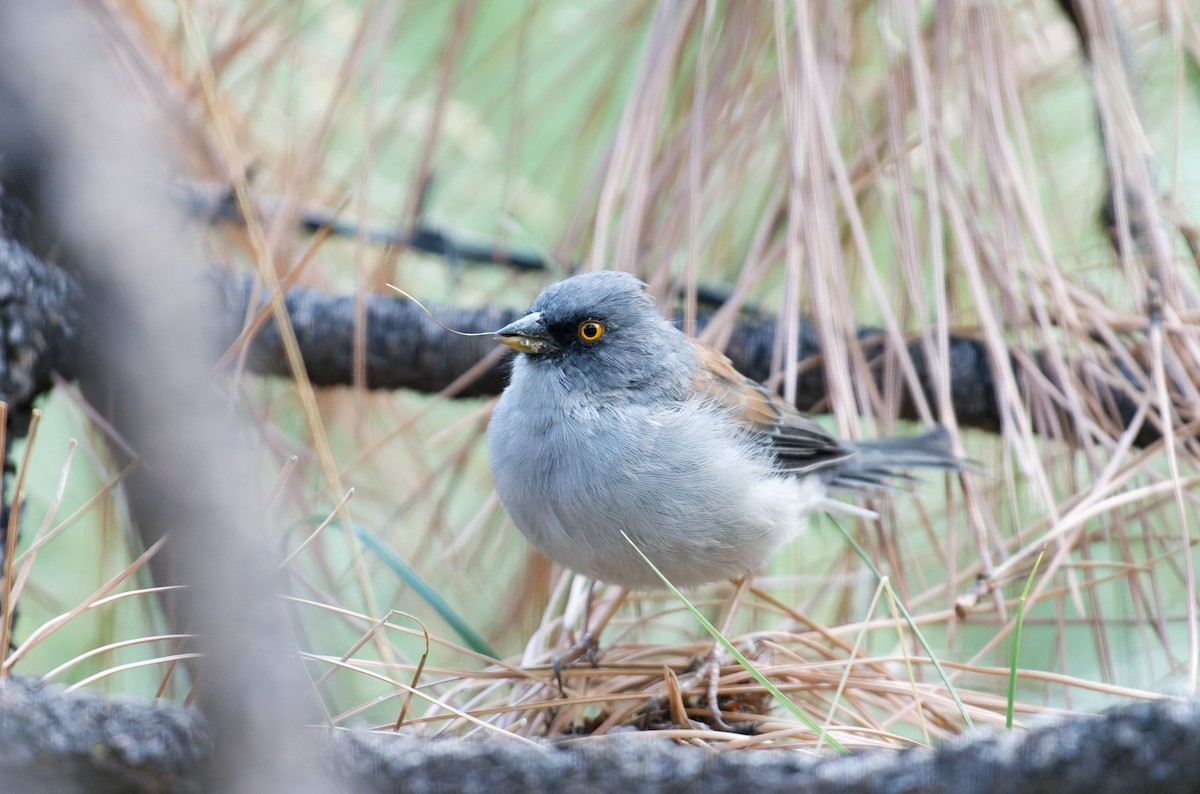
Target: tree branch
{"x": 406, "y": 350}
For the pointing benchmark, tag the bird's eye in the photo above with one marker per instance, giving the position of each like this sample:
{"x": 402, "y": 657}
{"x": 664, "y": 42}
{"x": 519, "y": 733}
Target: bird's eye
{"x": 591, "y": 331}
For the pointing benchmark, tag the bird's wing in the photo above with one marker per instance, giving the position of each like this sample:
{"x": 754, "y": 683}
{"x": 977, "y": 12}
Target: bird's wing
{"x": 799, "y": 443}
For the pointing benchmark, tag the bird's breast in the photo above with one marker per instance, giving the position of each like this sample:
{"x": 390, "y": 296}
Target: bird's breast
{"x": 695, "y": 494}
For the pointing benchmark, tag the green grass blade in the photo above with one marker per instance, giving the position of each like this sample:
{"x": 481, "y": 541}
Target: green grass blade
{"x": 787, "y": 702}
{"x": 1016, "y": 651}
{"x": 430, "y": 596}
{"x": 912, "y": 625}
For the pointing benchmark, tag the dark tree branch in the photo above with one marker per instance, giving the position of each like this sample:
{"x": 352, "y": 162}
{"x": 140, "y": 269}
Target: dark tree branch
{"x": 216, "y": 203}
{"x": 41, "y": 321}
{"x": 405, "y": 350}
{"x": 213, "y": 204}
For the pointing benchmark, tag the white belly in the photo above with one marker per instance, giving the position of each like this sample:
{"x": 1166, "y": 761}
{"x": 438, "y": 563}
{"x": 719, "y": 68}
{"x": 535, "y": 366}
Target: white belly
{"x": 698, "y": 497}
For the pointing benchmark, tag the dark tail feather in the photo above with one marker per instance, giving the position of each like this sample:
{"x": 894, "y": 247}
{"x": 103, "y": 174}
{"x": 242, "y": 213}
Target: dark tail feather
{"x": 880, "y": 462}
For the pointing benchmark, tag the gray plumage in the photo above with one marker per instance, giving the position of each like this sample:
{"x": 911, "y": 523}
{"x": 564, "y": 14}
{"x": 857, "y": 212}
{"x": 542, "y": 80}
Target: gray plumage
{"x": 646, "y": 431}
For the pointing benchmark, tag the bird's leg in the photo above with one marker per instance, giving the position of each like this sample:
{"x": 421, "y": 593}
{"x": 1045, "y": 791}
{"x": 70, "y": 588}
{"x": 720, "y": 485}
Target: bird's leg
{"x": 711, "y": 668}
{"x": 588, "y": 643}
{"x": 585, "y": 645}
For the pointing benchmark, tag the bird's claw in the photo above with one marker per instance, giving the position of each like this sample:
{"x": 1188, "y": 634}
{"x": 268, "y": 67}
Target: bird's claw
{"x": 586, "y": 647}
{"x": 710, "y": 669}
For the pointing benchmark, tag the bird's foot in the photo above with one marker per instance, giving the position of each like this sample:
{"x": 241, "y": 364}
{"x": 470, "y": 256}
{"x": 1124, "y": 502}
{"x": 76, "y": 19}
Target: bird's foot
{"x": 670, "y": 707}
{"x": 586, "y": 647}
{"x": 708, "y": 673}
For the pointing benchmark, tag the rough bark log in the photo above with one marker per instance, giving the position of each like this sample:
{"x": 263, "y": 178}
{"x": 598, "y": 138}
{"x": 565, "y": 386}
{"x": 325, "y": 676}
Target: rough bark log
{"x": 53, "y": 740}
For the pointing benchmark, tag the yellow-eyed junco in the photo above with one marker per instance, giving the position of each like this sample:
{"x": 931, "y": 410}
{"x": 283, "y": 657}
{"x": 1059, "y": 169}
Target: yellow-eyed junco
{"x": 615, "y": 420}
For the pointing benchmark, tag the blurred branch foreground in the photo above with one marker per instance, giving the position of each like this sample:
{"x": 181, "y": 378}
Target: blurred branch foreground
{"x": 82, "y": 154}
{"x": 138, "y": 318}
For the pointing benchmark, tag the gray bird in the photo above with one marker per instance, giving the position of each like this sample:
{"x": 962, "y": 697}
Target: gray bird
{"x": 614, "y": 420}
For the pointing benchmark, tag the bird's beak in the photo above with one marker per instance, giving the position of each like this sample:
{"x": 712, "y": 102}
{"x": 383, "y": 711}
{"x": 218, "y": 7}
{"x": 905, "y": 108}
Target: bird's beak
{"x": 528, "y": 334}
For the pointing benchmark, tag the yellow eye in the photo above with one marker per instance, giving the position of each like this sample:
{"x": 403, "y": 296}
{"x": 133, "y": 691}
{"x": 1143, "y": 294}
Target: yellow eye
{"x": 590, "y": 330}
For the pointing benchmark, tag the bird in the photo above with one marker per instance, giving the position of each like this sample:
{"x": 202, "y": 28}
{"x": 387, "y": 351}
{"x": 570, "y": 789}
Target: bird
{"x": 618, "y": 430}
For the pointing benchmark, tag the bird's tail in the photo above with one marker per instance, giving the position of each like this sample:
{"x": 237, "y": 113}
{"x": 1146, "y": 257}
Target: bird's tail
{"x": 878, "y": 463}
